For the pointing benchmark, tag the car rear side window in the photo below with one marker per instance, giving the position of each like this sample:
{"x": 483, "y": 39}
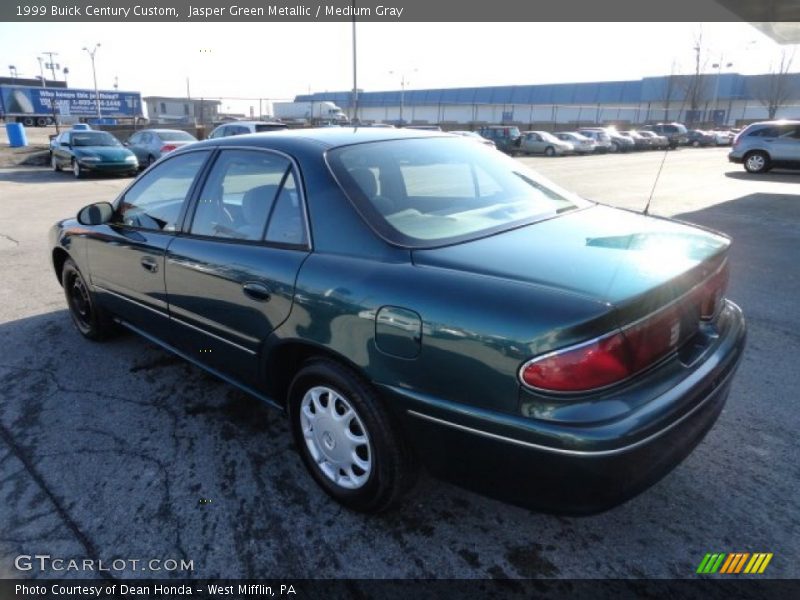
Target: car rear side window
{"x": 239, "y": 196}
{"x": 156, "y": 200}
{"x": 765, "y": 132}
{"x": 286, "y": 224}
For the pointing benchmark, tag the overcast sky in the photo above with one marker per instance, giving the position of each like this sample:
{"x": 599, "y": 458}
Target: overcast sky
{"x": 271, "y": 60}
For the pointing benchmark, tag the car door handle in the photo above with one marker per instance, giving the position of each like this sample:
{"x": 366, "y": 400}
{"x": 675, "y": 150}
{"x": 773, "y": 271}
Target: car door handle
{"x": 150, "y": 263}
{"x": 257, "y": 291}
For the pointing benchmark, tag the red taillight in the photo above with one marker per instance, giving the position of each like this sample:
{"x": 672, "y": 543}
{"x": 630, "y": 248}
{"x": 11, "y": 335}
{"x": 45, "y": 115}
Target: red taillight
{"x": 593, "y": 365}
{"x": 167, "y": 148}
{"x": 623, "y": 353}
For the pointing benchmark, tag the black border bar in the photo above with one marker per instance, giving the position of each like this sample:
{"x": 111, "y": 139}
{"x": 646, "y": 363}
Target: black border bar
{"x": 398, "y": 10}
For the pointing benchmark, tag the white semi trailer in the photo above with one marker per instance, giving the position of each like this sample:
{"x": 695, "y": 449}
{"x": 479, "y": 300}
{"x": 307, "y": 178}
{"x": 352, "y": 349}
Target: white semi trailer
{"x": 313, "y": 113}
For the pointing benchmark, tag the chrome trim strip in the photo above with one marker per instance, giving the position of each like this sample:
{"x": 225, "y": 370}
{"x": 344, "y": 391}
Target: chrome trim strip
{"x": 216, "y": 337}
{"x": 132, "y": 301}
{"x": 580, "y": 453}
{"x": 167, "y": 316}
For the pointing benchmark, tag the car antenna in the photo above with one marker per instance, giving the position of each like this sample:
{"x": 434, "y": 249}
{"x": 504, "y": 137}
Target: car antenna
{"x": 646, "y": 210}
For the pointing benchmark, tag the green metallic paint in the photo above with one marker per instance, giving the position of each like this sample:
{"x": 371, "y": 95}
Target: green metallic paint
{"x": 471, "y": 313}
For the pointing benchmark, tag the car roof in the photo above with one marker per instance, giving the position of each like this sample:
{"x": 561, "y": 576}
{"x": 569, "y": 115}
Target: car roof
{"x": 330, "y": 137}
{"x": 777, "y": 122}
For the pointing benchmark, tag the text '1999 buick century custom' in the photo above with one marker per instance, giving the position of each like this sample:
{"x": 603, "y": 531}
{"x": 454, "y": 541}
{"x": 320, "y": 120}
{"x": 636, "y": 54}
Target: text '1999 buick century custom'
{"x": 412, "y": 299}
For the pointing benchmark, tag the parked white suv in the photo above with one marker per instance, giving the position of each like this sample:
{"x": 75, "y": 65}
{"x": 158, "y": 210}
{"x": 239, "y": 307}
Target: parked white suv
{"x": 768, "y": 144}
{"x": 243, "y": 127}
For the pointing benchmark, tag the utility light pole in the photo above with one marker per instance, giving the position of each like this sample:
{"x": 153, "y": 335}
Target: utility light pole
{"x": 718, "y": 66}
{"x": 355, "y": 67}
{"x": 91, "y": 54}
{"x": 41, "y": 71}
{"x": 51, "y": 65}
{"x": 403, "y": 83}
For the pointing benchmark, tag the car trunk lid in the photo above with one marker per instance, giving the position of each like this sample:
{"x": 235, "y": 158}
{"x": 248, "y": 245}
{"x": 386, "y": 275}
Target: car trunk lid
{"x": 637, "y": 265}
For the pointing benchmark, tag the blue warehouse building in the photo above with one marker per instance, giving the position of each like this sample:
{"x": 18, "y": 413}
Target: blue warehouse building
{"x": 725, "y": 99}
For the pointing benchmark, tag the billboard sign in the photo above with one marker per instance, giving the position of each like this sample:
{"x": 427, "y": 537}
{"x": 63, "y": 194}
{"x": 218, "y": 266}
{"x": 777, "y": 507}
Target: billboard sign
{"x": 15, "y": 99}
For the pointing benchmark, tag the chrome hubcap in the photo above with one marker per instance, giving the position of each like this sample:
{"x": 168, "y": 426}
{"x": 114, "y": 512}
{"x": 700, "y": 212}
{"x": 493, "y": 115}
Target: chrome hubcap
{"x": 336, "y": 437}
{"x": 756, "y": 162}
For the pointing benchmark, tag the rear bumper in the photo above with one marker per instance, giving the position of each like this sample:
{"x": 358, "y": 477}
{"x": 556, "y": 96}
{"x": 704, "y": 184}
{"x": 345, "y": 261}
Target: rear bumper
{"x": 595, "y": 467}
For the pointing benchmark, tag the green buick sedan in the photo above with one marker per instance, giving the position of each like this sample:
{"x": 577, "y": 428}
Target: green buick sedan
{"x": 84, "y": 152}
{"x": 410, "y": 300}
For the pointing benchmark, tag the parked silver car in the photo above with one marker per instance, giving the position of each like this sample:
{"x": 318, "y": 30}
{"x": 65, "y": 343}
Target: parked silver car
{"x": 768, "y": 144}
{"x": 581, "y": 143}
{"x": 619, "y": 143}
{"x": 659, "y": 142}
{"x": 542, "y": 142}
{"x": 601, "y": 139}
{"x": 150, "y": 144}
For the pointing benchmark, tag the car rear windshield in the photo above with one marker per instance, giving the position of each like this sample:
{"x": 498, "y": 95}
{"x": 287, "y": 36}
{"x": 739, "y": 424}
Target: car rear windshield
{"x": 269, "y": 127}
{"x": 93, "y": 138}
{"x": 176, "y": 136}
{"x": 431, "y": 192}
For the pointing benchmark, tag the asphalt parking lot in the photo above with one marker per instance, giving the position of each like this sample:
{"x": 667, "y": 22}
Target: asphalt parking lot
{"x": 120, "y": 450}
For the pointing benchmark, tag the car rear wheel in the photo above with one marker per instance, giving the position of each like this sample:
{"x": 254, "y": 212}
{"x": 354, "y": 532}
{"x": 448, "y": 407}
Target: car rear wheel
{"x": 549, "y": 151}
{"x": 757, "y": 162}
{"x": 614, "y": 147}
{"x": 54, "y": 163}
{"x": 89, "y": 319}
{"x": 346, "y": 439}
{"x": 76, "y": 169}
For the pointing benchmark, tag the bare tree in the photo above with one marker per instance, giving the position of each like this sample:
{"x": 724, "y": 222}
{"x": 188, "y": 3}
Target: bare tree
{"x": 773, "y": 90}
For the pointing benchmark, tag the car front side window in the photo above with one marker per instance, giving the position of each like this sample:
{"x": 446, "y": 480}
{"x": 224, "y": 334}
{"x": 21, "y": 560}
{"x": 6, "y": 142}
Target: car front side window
{"x": 156, "y": 200}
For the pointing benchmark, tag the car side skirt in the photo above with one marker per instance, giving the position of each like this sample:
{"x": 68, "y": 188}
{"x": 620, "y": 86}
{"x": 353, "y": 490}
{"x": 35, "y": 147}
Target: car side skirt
{"x": 264, "y": 398}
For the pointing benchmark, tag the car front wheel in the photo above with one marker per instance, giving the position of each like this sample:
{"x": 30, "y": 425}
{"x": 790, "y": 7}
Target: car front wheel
{"x": 346, "y": 439}
{"x": 54, "y": 163}
{"x": 757, "y": 162}
{"x": 76, "y": 169}
{"x": 549, "y": 151}
{"x": 89, "y": 319}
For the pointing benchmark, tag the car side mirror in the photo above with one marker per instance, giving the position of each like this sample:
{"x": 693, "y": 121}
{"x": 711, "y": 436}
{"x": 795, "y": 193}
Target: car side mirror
{"x": 96, "y": 214}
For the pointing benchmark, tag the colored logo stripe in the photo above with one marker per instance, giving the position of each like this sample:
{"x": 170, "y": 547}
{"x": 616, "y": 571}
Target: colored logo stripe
{"x": 733, "y": 562}
{"x": 758, "y": 563}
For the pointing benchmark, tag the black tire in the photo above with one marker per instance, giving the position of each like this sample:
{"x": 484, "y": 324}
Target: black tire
{"x": 54, "y": 163}
{"x": 549, "y": 151}
{"x": 89, "y": 319}
{"x": 757, "y": 161}
{"x": 76, "y": 169}
{"x": 393, "y": 469}
{"x": 696, "y": 143}
{"x": 150, "y": 160}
